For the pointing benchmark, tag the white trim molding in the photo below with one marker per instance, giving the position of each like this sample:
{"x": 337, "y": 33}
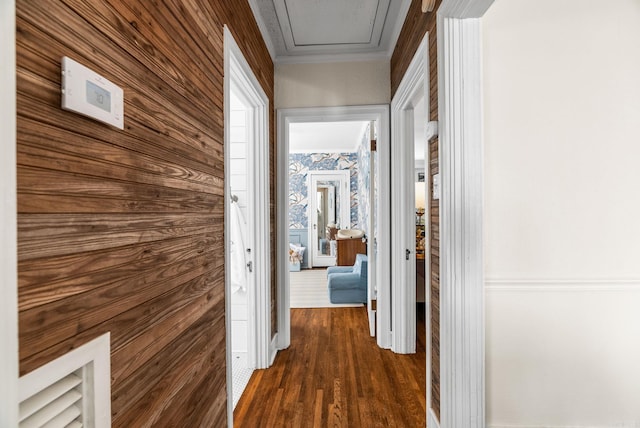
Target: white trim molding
{"x": 92, "y": 363}
{"x": 562, "y": 285}
{"x": 8, "y": 224}
{"x": 432, "y": 419}
{"x": 414, "y": 86}
{"x": 380, "y": 114}
{"x": 462, "y": 376}
{"x": 273, "y": 349}
{"x": 238, "y": 72}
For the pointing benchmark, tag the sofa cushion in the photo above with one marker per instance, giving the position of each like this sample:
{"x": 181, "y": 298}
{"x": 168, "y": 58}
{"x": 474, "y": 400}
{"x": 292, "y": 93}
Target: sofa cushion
{"x": 361, "y": 260}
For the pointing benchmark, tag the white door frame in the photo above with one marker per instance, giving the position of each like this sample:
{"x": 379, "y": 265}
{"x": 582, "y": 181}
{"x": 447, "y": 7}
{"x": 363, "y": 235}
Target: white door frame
{"x": 238, "y": 71}
{"x": 462, "y": 380}
{"x": 403, "y": 251}
{"x": 380, "y": 114}
{"x": 344, "y": 177}
{"x": 8, "y": 227}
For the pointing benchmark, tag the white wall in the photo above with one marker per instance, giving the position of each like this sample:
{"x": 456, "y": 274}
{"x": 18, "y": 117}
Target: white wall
{"x": 238, "y": 152}
{"x": 562, "y": 212}
{"x": 238, "y": 182}
{"x": 8, "y": 254}
{"x": 332, "y": 84}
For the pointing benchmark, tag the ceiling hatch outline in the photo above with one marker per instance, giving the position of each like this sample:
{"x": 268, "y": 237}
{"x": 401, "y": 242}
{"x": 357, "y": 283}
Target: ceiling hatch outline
{"x": 380, "y": 10}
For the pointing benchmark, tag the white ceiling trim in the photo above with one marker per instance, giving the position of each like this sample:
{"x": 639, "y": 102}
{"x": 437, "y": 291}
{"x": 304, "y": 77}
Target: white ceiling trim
{"x": 324, "y": 58}
{"x": 340, "y": 29}
{"x": 264, "y": 30}
{"x": 267, "y": 19}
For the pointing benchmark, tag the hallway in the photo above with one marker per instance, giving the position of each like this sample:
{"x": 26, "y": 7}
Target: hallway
{"x": 334, "y": 374}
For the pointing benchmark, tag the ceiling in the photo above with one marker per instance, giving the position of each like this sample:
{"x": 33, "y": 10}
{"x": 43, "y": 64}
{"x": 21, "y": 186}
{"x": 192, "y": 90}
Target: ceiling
{"x": 325, "y": 137}
{"x": 313, "y": 31}
{"x": 330, "y": 30}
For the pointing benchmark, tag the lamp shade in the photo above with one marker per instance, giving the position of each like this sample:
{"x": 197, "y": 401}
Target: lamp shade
{"x": 420, "y": 195}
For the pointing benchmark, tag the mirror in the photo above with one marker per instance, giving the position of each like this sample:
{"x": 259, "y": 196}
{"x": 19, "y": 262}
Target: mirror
{"x": 327, "y": 207}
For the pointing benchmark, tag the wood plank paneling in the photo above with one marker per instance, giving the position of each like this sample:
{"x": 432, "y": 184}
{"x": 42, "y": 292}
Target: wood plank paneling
{"x": 123, "y": 230}
{"x": 416, "y": 25}
{"x": 434, "y": 244}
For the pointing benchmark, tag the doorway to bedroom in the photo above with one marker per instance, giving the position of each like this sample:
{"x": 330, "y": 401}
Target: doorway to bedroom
{"x": 317, "y": 147}
{"x": 327, "y": 195}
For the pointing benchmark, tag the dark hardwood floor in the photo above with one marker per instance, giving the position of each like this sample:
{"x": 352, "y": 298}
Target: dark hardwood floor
{"x": 334, "y": 375}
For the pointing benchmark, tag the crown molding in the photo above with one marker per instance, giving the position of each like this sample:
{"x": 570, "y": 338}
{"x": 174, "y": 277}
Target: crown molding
{"x": 262, "y": 26}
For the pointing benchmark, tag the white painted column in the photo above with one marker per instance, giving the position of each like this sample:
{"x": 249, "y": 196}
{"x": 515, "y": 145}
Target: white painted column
{"x": 461, "y": 272}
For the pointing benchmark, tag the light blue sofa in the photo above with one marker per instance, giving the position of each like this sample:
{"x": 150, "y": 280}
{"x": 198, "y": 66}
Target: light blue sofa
{"x": 348, "y": 284}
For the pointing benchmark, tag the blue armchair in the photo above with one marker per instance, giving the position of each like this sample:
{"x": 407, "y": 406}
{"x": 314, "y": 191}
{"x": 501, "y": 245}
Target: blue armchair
{"x": 348, "y": 284}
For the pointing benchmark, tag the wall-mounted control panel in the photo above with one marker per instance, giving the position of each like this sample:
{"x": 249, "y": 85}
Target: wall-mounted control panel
{"x": 436, "y": 186}
{"x": 86, "y": 92}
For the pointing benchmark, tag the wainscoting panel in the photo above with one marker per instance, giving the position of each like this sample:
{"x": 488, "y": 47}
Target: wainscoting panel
{"x": 559, "y": 352}
{"x": 301, "y": 237}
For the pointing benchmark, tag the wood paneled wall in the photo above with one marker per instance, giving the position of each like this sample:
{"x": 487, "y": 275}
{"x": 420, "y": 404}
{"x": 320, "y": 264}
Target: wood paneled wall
{"x": 434, "y": 288}
{"x": 413, "y": 30}
{"x": 416, "y": 25}
{"x": 123, "y": 231}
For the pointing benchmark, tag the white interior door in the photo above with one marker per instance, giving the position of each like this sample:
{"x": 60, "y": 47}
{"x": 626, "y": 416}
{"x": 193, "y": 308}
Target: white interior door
{"x": 372, "y": 244}
{"x": 329, "y": 206}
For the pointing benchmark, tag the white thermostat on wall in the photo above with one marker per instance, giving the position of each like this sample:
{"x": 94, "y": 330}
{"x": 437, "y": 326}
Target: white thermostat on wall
{"x": 86, "y": 92}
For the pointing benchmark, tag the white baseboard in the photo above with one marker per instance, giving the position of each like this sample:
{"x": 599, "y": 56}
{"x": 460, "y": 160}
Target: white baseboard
{"x": 572, "y": 284}
{"x": 432, "y": 420}
{"x": 273, "y": 349}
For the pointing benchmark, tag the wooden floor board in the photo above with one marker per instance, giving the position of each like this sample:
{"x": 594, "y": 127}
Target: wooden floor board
{"x": 334, "y": 374}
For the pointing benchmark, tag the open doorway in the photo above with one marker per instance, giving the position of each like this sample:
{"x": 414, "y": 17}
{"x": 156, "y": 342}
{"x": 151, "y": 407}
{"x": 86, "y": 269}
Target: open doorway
{"x": 327, "y": 199}
{"x": 373, "y": 121}
{"x": 247, "y": 232}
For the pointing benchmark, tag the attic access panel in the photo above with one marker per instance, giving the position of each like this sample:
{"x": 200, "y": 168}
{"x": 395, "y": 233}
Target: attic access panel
{"x": 317, "y": 26}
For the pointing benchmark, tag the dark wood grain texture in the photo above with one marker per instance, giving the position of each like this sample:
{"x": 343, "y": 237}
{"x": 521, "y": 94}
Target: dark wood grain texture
{"x": 347, "y": 249}
{"x": 415, "y": 26}
{"x": 334, "y": 374}
{"x": 434, "y": 244}
{"x": 123, "y": 230}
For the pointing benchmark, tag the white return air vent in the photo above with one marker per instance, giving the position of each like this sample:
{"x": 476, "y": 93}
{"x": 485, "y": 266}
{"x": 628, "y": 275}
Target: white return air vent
{"x": 72, "y": 391}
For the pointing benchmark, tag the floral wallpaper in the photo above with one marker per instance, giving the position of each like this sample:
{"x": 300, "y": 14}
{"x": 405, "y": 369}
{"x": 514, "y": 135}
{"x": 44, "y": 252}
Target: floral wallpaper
{"x": 364, "y": 177}
{"x": 299, "y": 166}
